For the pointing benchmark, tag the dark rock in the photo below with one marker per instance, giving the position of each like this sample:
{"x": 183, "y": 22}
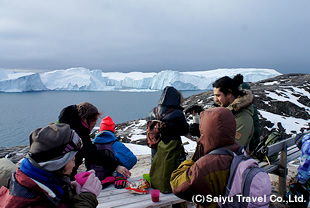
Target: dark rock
{"x": 283, "y": 85}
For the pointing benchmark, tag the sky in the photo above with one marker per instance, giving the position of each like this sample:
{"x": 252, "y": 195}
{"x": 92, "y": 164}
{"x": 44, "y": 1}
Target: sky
{"x": 155, "y": 35}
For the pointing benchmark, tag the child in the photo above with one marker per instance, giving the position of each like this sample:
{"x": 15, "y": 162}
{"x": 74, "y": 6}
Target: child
{"x": 302, "y": 186}
{"x": 43, "y": 179}
{"x": 106, "y": 140}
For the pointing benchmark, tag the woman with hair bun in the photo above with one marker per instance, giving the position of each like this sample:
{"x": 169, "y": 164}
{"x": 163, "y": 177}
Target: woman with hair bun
{"x": 83, "y": 118}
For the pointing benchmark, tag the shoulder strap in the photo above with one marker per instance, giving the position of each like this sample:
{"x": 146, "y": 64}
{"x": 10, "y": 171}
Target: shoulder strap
{"x": 164, "y": 114}
{"x": 221, "y": 151}
{"x": 234, "y": 164}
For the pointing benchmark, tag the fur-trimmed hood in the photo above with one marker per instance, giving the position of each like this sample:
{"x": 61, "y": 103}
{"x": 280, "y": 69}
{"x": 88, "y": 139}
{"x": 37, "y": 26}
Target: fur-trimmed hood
{"x": 242, "y": 101}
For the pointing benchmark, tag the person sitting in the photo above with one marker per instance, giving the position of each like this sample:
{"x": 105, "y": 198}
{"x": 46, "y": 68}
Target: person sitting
{"x": 301, "y": 186}
{"x": 7, "y": 167}
{"x": 83, "y": 118}
{"x": 207, "y": 174}
{"x": 43, "y": 178}
{"x": 106, "y": 140}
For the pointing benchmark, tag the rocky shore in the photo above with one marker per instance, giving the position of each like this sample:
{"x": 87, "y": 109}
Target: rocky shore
{"x": 135, "y": 131}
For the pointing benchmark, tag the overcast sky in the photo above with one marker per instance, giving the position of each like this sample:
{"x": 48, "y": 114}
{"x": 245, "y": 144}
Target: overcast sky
{"x": 155, "y": 35}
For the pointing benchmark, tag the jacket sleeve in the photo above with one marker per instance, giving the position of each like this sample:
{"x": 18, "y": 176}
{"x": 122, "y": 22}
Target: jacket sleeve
{"x": 192, "y": 179}
{"x": 84, "y": 199}
{"x": 124, "y": 155}
{"x": 304, "y": 164}
{"x": 180, "y": 181}
{"x": 245, "y": 127}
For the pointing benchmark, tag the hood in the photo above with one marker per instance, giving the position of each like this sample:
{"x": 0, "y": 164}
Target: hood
{"x": 217, "y": 128}
{"x": 242, "y": 101}
{"x": 69, "y": 115}
{"x": 170, "y": 97}
{"x": 104, "y": 137}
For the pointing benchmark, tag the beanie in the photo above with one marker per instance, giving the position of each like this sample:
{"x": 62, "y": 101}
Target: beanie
{"x": 53, "y": 146}
{"x": 87, "y": 110}
{"x": 107, "y": 124}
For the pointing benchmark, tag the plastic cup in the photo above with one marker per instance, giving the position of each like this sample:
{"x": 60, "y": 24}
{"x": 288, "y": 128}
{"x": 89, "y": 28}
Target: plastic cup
{"x": 82, "y": 177}
{"x": 155, "y": 195}
{"x": 147, "y": 177}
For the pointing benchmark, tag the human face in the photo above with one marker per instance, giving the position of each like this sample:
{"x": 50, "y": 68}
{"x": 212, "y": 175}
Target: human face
{"x": 220, "y": 98}
{"x": 67, "y": 170}
{"x": 92, "y": 123}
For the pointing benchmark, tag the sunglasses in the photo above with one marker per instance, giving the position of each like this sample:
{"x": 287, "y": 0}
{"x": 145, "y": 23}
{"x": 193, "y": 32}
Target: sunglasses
{"x": 75, "y": 144}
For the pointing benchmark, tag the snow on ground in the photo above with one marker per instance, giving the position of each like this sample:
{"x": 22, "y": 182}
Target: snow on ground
{"x": 137, "y": 149}
{"x": 289, "y": 123}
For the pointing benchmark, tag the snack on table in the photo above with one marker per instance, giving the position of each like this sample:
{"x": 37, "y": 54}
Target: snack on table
{"x": 138, "y": 187}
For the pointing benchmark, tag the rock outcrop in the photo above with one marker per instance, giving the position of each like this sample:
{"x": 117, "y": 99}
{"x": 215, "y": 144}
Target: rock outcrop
{"x": 282, "y": 95}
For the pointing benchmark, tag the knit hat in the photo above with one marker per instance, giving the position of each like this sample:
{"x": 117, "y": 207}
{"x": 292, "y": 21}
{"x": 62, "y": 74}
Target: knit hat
{"x": 87, "y": 110}
{"x": 53, "y": 146}
{"x": 107, "y": 124}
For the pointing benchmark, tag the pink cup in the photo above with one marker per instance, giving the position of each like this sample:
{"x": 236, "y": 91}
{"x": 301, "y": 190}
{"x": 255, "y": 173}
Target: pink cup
{"x": 155, "y": 195}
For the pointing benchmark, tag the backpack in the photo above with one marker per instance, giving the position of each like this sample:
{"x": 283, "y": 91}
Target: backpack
{"x": 256, "y": 135}
{"x": 155, "y": 129}
{"x": 248, "y": 185}
{"x": 167, "y": 158}
{"x": 100, "y": 171}
{"x": 274, "y": 137}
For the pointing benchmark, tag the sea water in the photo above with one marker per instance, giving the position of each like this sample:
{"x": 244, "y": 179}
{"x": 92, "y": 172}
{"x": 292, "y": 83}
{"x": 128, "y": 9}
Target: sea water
{"x": 23, "y": 112}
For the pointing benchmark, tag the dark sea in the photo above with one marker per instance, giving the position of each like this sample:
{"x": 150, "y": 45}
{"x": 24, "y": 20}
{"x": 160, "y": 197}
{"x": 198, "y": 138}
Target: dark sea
{"x": 23, "y": 112}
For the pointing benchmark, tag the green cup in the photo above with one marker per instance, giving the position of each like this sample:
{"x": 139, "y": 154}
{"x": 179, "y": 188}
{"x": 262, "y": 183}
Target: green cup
{"x": 147, "y": 177}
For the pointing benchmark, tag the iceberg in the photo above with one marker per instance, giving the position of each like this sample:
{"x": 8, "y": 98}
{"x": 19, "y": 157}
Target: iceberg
{"x": 82, "y": 79}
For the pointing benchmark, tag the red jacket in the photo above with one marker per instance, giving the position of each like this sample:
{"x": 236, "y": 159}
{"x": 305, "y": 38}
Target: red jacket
{"x": 24, "y": 192}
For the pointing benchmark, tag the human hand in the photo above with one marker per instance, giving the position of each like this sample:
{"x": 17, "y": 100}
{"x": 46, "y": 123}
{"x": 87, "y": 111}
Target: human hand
{"x": 80, "y": 180}
{"x": 92, "y": 184}
{"x": 124, "y": 171}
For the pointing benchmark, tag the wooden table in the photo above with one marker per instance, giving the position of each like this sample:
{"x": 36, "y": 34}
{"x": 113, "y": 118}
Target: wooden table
{"x": 112, "y": 197}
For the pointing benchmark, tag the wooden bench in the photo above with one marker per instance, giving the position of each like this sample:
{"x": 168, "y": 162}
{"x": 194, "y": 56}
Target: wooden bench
{"x": 112, "y": 197}
{"x": 288, "y": 152}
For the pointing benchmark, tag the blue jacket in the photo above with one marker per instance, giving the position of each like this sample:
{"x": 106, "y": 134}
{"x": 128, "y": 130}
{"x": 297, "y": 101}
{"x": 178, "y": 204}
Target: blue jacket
{"x": 304, "y": 165}
{"x": 122, "y": 154}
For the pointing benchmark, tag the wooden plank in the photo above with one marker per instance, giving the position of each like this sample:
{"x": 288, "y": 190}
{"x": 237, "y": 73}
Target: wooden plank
{"x": 112, "y": 197}
{"x": 275, "y": 164}
{"x": 282, "y": 177}
{"x": 279, "y": 146}
{"x": 136, "y": 200}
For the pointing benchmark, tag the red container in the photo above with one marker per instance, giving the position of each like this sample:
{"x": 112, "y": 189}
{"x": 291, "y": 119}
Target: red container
{"x": 155, "y": 195}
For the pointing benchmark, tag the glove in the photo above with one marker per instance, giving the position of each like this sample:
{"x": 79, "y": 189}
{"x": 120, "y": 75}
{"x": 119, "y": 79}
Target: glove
{"x": 298, "y": 190}
{"x": 120, "y": 182}
{"x": 107, "y": 181}
{"x": 92, "y": 184}
{"x": 82, "y": 177}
